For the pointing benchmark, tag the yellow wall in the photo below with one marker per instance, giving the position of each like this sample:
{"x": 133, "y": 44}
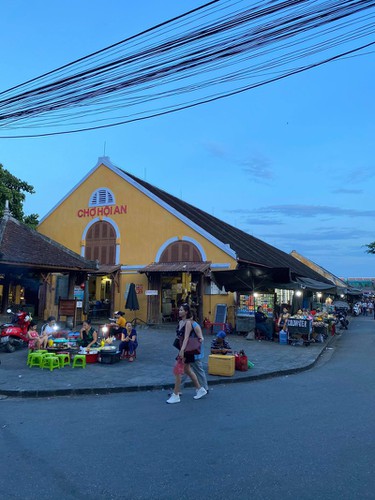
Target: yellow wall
{"x": 144, "y": 228}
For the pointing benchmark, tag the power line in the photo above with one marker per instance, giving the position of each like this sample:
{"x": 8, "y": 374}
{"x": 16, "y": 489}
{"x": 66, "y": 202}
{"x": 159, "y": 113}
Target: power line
{"x": 218, "y": 46}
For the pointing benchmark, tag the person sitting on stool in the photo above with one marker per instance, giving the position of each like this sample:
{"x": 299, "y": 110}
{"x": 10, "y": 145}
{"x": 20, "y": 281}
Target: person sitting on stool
{"x": 129, "y": 342}
{"x": 261, "y": 323}
{"x": 219, "y": 345}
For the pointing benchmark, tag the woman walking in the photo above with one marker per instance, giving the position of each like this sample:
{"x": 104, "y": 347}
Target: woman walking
{"x": 184, "y": 329}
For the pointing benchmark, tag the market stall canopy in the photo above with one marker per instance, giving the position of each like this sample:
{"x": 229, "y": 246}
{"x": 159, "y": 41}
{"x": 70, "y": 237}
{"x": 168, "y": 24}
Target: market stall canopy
{"x": 176, "y": 267}
{"x": 250, "y": 278}
{"x": 311, "y": 284}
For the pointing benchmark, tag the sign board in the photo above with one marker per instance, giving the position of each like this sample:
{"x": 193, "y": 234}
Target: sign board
{"x": 67, "y": 307}
{"x": 220, "y": 317}
{"x": 151, "y": 292}
{"x": 301, "y": 326}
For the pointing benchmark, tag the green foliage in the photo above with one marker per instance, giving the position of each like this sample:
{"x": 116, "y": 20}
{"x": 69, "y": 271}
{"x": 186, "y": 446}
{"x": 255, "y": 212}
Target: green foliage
{"x": 13, "y": 190}
{"x": 370, "y": 247}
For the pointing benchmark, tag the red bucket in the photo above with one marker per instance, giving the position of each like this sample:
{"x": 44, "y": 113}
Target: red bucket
{"x": 92, "y": 358}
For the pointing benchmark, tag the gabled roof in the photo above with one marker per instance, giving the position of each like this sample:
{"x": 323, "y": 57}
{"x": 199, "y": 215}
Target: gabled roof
{"x": 21, "y": 246}
{"x": 339, "y": 283}
{"x": 249, "y": 250}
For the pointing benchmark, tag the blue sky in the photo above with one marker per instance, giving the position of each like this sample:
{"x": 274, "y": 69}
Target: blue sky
{"x": 291, "y": 162}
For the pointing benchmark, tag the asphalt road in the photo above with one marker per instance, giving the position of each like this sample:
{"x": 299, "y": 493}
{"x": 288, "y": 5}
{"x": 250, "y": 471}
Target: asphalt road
{"x": 305, "y": 436}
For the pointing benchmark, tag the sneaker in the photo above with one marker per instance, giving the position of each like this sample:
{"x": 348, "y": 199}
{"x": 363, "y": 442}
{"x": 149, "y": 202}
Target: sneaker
{"x": 170, "y": 394}
{"x": 174, "y": 399}
{"x": 200, "y": 393}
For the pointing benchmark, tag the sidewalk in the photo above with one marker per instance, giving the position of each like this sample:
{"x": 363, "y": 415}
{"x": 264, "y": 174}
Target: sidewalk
{"x": 152, "y": 370}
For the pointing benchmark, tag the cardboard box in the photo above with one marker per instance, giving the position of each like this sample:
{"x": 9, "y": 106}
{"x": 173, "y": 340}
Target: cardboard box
{"x": 219, "y": 364}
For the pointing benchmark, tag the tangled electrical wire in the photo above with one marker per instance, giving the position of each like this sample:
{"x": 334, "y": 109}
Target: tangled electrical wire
{"x": 217, "y": 50}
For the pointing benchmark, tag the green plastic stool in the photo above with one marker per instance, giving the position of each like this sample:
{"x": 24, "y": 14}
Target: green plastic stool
{"x": 50, "y": 362}
{"x": 79, "y": 360}
{"x": 64, "y": 359}
{"x": 35, "y": 359}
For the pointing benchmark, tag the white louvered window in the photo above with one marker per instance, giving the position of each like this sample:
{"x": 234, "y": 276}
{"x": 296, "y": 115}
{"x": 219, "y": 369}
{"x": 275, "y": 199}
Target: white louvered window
{"x": 102, "y": 196}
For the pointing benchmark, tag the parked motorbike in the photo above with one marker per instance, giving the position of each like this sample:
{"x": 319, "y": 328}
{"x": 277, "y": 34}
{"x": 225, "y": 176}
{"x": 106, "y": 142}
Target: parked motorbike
{"x": 341, "y": 319}
{"x": 14, "y": 333}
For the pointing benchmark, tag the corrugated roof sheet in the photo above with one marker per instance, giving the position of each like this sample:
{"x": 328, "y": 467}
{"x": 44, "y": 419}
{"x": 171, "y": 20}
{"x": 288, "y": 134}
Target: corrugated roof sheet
{"x": 176, "y": 267}
{"x": 248, "y": 248}
{"x": 23, "y": 246}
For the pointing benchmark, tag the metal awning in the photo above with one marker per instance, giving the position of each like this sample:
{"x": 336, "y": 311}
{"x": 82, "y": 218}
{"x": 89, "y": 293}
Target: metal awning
{"x": 105, "y": 269}
{"x": 311, "y": 284}
{"x": 251, "y": 278}
{"x": 176, "y": 267}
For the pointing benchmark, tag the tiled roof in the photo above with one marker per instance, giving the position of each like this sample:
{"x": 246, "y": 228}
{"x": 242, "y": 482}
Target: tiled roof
{"x": 25, "y": 247}
{"x": 249, "y": 250}
{"x": 189, "y": 267}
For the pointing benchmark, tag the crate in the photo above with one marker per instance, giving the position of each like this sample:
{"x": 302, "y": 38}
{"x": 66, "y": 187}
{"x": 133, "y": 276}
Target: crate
{"x": 219, "y": 364}
{"x": 108, "y": 358}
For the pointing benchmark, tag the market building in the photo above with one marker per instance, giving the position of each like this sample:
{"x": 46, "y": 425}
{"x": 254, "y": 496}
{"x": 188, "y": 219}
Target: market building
{"x": 171, "y": 251}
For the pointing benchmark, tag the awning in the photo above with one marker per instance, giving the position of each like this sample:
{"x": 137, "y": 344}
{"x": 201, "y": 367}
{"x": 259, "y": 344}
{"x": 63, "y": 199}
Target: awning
{"x": 311, "y": 284}
{"x": 176, "y": 267}
{"x": 251, "y": 278}
{"x": 105, "y": 269}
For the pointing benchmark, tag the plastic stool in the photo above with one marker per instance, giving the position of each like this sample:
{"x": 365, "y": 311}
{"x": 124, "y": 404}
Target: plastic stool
{"x": 35, "y": 359}
{"x": 31, "y": 352}
{"x": 64, "y": 359}
{"x": 50, "y": 362}
{"x": 79, "y": 360}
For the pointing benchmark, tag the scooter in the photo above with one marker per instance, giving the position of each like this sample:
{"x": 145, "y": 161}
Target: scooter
{"x": 14, "y": 334}
{"x": 341, "y": 320}
{"x": 356, "y": 310}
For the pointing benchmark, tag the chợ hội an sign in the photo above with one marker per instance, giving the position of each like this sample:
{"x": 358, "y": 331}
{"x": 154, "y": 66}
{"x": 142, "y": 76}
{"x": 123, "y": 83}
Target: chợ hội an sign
{"x": 102, "y": 211}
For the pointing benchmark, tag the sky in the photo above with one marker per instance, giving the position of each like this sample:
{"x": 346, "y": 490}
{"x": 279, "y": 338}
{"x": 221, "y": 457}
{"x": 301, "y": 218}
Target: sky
{"x": 291, "y": 162}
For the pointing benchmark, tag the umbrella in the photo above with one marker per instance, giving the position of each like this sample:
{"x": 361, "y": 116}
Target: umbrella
{"x": 132, "y": 299}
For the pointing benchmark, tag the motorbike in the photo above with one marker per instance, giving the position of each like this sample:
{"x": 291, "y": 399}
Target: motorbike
{"x": 341, "y": 319}
{"x": 356, "y": 310}
{"x": 14, "y": 333}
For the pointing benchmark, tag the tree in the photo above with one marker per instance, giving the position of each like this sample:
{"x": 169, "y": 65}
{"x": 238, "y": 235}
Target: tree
{"x": 13, "y": 190}
{"x": 370, "y": 247}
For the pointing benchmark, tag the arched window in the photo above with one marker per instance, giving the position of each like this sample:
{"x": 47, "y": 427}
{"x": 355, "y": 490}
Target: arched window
{"x": 102, "y": 196}
{"x": 101, "y": 243}
{"x": 181, "y": 251}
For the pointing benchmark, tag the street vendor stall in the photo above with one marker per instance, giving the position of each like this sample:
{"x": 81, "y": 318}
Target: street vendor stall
{"x": 299, "y": 330}
{"x": 247, "y": 306}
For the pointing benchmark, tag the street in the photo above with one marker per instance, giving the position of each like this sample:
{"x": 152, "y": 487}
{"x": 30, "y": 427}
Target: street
{"x": 303, "y": 436}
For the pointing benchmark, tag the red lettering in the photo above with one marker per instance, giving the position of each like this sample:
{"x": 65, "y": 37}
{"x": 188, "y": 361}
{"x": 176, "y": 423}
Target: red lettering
{"x": 107, "y": 211}
{"x": 100, "y": 211}
{"x": 80, "y": 213}
{"x": 117, "y": 210}
{"x": 86, "y": 212}
{"x": 123, "y": 209}
{"x": 92, "y": 212}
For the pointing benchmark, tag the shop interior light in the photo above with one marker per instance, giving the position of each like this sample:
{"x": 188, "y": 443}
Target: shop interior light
{"x": 298, "y": 293}
{"x": 255, "y": 294}
{"x": 319, "y": 294}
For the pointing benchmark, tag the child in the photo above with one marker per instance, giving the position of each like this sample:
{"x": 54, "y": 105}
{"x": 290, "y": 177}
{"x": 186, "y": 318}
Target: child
{"x": 36, "y": 341}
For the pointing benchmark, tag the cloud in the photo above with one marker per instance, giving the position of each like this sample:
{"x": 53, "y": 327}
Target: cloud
{"x": 361, "y": 174}
{"x": 258, "y": 168}
{"x": 300, "y": 211}
{"x": 347, "y": 191}
{"x": 326, "y": 234}
{"x": 261, "y": 222}
{"x": 216, "y": 149}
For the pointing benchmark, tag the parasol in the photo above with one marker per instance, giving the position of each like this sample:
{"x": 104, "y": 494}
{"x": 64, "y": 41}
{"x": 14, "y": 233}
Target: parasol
{"x": 132, "y": 299}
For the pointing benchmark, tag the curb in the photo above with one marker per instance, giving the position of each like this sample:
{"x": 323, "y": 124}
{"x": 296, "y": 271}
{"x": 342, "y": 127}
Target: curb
{"x": 31, "y": 394}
